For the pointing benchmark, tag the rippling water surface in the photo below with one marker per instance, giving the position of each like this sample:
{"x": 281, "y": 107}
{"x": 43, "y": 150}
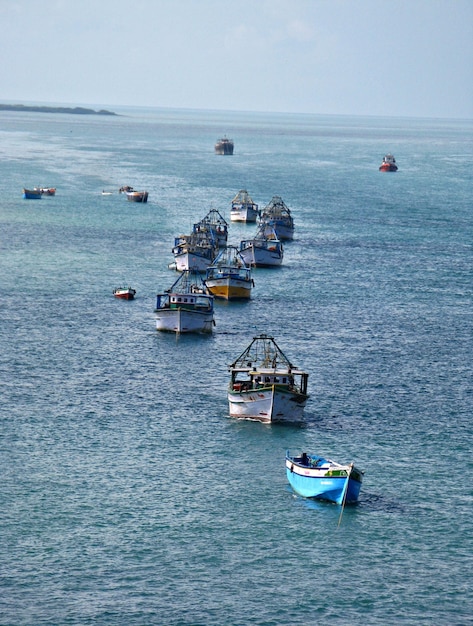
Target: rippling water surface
{"x": 128, "y": 496}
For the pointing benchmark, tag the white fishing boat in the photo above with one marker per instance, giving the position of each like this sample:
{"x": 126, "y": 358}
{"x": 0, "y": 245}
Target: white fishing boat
{"x": 265, "y": 385}
{"x": 229, "y": 277}
{"x": 243, "y": 208}
{"x": 278, "y": 215}
{"x": 264, "y": 250}
{"x": 186, "y": 307}
{"x": 195, "y": 251}
{"x": 214, "y": 226}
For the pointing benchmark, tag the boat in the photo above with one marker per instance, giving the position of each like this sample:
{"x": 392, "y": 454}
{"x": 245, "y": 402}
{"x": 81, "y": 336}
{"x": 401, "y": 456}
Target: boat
{"x": 107, "y": 193}
{"x": 265, "y": 386}
{"x": 313, "y": 476}
{"x": 186, "y": 307}
{"x": 48, "y": 191}
{"x": 278, "y": 215}
{"x": 132, "y": 195}
{"x": 137, "y": 196}
{"x": 229, "y": 277}
{"x": 243, "y": 208}
{"x": 264, "y": 250}
{"x": 388, "y": 164}
{"x": 215, "y": 226}
{"x": 125, "y": 293}
{"x": 32, "y": 194}
{"x": 224, "y": 146}
{"x": 194, "y": 251}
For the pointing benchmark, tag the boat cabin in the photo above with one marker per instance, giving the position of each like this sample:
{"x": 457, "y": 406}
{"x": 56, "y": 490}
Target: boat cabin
{"x": 245, "y": 380}
{"x": 183, "y": 301}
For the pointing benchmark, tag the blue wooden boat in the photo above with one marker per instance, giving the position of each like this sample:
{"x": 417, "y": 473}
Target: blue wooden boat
{"x": 313, "y": 476}
{"x": 32, "y": 194}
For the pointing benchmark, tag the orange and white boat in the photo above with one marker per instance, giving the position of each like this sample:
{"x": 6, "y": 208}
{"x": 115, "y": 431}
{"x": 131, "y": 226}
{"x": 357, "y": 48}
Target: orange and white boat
{"x": 388, "y": 164}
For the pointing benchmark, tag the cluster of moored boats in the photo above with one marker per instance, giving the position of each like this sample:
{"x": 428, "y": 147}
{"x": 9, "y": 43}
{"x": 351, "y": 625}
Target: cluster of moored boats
{"x": 210, "y": 268}
{"x": 264, "y": 385}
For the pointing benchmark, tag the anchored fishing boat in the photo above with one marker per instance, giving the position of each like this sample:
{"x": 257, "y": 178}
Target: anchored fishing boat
{"x": 186, "y": 307}
{"x": 125, "y": 293}
{"x": 48, "y": 191}
{"x": 313, "y": 476}
{"x": 195, "y": 251}
{"x": 264, "y": 250}
{"x": 224, "y": 146}
{"x": 265, "y": 385}
{"x": 229, "y": 277}
{"x": 32, "y": 194}
{"x": 243, "y": 208}
{"x": 388, "y": 164}
{"x": 215, "y": 226}
{"x": 137, "y": 196}
{"x": 132, "y": 195}
{"x": 278, "y": 215}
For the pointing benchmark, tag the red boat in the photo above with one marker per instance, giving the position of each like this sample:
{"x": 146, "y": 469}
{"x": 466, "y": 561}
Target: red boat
{"x": 125, "y": 293}
{"x": 388, "y": 164}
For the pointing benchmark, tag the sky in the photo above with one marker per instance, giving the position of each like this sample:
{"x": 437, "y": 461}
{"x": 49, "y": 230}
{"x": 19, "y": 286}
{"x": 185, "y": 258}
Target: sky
{"x": 402, "y": 58}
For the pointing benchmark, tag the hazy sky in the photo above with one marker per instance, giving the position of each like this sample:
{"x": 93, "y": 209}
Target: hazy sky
{"x": 363, "y": 57}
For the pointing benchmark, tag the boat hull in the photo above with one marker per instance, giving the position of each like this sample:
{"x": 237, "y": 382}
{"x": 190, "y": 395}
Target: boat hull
{"x": 137, "y": 196}
{"x": 32, "y": 194}
{"x": 124, "y": 294}
{"x": 244, "y": 214}
{"x": 224, "y": 146}
{"x": 388, "y": 168}
{"x": 283, "y": 231}
{"x": 266, "y": 256}
{"x": 271, "y": 404}
{"x": 188, "y": 261}
{"x": 324, "y": 485}
{"x": 184, "y": 321}
{"x": 229, "y": 288}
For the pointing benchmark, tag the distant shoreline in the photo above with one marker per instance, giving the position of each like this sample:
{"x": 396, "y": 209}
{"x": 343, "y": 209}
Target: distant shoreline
{"x": 46, "y": 109}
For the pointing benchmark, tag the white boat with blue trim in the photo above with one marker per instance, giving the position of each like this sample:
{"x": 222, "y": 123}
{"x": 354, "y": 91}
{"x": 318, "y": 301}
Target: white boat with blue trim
{"x": 195, "y": 251}
{"x": 313, "y": 476}
{"x": 265, "y": 386}
{"x": 278, "y": 215}
{"x": 215, "y": 226}
{"x": 243, "y": 208}
{"x": 264, "y": 250}
{"x": 186, "y": 307}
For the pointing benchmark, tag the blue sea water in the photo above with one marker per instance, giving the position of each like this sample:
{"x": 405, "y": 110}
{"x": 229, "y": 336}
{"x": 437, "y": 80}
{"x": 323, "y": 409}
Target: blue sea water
{"x": 128, "y": 496}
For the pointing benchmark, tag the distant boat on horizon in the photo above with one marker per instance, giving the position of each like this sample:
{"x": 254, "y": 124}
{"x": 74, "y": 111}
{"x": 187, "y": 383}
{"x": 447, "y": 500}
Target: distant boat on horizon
{"x": 224, "y": 146}
{"x": 388, "y": 164}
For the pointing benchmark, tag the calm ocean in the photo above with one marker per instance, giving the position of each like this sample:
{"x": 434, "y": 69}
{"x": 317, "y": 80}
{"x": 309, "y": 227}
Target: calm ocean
{"x": 128, "y": 496}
